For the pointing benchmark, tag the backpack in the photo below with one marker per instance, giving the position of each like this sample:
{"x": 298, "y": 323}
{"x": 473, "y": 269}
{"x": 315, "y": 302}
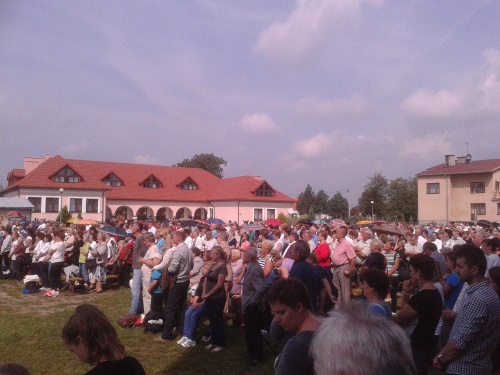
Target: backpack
{"x": 153, "y": 322}
{"x": 128, "y": 320}
{"x": 404, "y": 269}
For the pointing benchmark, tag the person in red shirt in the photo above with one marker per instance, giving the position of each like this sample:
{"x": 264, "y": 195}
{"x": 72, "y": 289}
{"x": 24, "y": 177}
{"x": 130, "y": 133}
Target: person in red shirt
{"x": 322, "y": 251}
{"x": 125, "y": 260}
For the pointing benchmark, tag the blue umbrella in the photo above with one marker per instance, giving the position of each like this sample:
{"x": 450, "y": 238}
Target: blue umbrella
{"x": 114, "y": 231}
{"x": 213, "y": 220}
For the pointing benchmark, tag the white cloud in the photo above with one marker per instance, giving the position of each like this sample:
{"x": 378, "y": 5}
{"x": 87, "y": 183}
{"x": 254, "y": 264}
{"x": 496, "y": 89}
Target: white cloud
{"x": 442, "y": 104}
{"x": 77, "y": 148}
{"x": 425, "y": 147}
{"x": 314, "y": 147}
{"x": 312, "y": 24}
{"x": 258, "y": 123}
{"x": 146, "y": 159}
{"x": 344, "y": 108}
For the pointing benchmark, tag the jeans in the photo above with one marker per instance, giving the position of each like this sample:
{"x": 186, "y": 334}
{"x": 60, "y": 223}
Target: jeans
{"x": 44, "y": 273}
{"x": 136, "y": 305}
{"x": 191, "y": 320}
{"x": 176, "y": 300}
{"x": 215, "y": 311}
{"x": 83, "y": 272}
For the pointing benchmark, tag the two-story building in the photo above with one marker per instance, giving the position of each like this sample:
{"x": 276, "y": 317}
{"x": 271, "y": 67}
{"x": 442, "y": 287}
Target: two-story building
{"x": 98, "y": 190}
{"x": 460, "y": 189}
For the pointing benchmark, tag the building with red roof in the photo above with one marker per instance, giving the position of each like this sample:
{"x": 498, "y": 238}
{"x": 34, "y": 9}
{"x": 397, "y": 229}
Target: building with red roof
{"x": 460, "y": 189}
{"x": 99, "y": 190}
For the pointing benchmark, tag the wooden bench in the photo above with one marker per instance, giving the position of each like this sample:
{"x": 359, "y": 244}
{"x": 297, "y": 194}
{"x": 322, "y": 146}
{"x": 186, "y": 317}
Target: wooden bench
{"x": 75, "y": 282}
{"x": 112, "y": 280}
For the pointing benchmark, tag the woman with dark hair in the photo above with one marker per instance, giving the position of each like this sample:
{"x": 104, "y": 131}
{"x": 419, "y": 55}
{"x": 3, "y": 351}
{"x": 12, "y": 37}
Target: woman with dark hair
{"x": 55, "y": 256}
{"x": 215, "y": 296}
{"x": 421, "y": 310}
{"x": 92, "y": 338}
{"x": 290, "y": 303}
{"x": 375, "y": 285}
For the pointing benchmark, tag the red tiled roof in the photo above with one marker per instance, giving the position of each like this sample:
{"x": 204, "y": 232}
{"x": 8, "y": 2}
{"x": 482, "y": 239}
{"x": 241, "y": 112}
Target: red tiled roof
{"x": 477, "y": 166}
{"x": 16, "y": 172}
{"x": 92, "y": 173}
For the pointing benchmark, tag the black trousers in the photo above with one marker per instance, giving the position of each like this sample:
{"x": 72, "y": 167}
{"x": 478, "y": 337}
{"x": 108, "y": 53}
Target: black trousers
{"x": 253, "y": 322}
{"x": 55, "y": 275}
{"x": 177, "y": 297}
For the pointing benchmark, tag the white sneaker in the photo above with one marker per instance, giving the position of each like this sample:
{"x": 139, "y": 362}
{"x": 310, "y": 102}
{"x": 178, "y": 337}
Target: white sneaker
{"x": 216, "y": 349}
{"x": 183, "y": 338}
{"x": 188, "y": 343}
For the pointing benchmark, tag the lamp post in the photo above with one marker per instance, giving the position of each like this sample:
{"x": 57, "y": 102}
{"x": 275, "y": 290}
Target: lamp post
{"x": 348, "y": 203}
{"x": 61, "y": 190}
{"x": 372, "y": 202}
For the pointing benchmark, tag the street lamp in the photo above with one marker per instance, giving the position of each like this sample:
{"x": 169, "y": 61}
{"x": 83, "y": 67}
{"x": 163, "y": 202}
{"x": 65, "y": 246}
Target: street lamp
{"x": 61, "y": 190}
{"x": 372, "y": 202}
{"x": 348, "y": 203}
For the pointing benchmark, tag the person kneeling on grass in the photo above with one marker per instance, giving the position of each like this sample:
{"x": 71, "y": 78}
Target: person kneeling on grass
{"x": 90, "y": 335}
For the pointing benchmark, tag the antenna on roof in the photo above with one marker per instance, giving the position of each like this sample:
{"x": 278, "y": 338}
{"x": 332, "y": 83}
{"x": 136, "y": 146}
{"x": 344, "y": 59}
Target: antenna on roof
{"x": 467, "y": 147}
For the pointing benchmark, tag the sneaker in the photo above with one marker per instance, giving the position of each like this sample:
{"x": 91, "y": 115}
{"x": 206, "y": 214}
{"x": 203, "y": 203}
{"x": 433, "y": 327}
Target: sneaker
{"x": 209, "y": 347}
{"x": 183, "y": 338}
{"x": 216, "y": 349}
{"x": 205, "y": 338}
{"x": 188, "y": 343}
{"x": 49, "y": 293}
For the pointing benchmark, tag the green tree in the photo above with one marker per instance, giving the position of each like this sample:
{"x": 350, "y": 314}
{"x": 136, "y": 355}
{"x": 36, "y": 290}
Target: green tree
{"x": 321, "y": 202}
{"x": 66, "y": 215}
{"x": 375, "y": 190}
{"x": 306, "y": 200}
{"x": 338, "y": 206}
{"x": 402, "y": 198}
{"x": 209, "y": 162}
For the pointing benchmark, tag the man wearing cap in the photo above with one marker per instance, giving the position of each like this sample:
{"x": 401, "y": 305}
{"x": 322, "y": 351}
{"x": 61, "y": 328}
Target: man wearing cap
{"x": 343, "y": 261}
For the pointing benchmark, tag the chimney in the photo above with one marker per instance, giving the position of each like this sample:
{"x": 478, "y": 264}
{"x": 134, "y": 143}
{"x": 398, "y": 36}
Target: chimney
{"x": 449, "y": 160}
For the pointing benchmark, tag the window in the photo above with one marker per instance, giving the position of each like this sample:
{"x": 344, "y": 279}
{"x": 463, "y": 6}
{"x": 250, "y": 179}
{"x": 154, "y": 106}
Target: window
{"x": 211, "y": 212}
{"x": 257, "y": 214}
{"x": 75, "y": 204}
{"x": 264, "y": 190}
{"x": 189, "y": 184}
{"x": 92, "y": 205}
{"x": 66, "y": 175}
{"x": 37, "y": 203}
{"x": 498, "y": 208}
{"x": 51, "y": 204}
{"x": 476, "y": 187}
{"x": 478, "y": 208}
{"x": 433, "y": 188}
{"x": 151, "y": 182}
{"x": 271, "y": 213}
{"x": 112, "y": 180}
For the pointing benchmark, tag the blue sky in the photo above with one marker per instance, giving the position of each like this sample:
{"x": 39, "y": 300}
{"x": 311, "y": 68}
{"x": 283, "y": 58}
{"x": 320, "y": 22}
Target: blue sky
{"x": 325, "y": 92}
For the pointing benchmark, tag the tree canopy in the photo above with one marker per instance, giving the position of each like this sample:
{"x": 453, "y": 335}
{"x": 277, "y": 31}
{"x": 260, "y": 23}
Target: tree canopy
{"x": 209, "y": 162}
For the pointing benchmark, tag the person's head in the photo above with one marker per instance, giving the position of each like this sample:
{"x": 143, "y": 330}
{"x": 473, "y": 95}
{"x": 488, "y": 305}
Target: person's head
{"x": 137, "y": 227}
{"x": 341, "y": 232}
{"x": 101, "y": 237}
{"x": 149, "y": 239}
{"x": 422, "y": 267}
{"x": 265, "y": 247}
{"x": 179, "y": 237}
{"x": 217, "y": 253}
{"x": 449, "y": 258}
{"x": 301, "y": 251}
{"x": 250, "y": 255}
{"x": 13, "y": 369}
{"x": 196, "y": 252}
{"x": 322, "y": 235}
{"x": 48, "y": 238}
{"x": 222, "y": 237}
{"x": 471, "y": 263}
{"x": 429, "y": 248}
{"x": 376, "y": 246}
{"x": 389, "y": 245}
{"x": 479, "y": 237}
{"x": 289, "y": 301}
{"x": 90, "y": 335}
{"x": 235, "y": 255}
{"x": 306, "y": 234}
{"x": 276, "y": 234}
{"x": 312, "y": 259}
{"x": 209, "y": 235}
{"x": 366, "y": 234}
{"x": 384, "y": 345}
{"x": 375, "y": 282}
{"x": 494, "y": 278}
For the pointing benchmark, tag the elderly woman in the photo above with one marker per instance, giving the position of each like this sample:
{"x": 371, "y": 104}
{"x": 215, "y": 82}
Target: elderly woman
{"x": 209, "y": 242}
{"x": 421, "y": 310}
{"x": 265, "y": 259}
{"x": 55, "y": 256}
{"x": 235, "y": 292}
{"x": 383, "y": 348}
{"x": 97, "y": 274}
{"x": 150, "y": 259}
{"x": 375, "y": 285}
{"x": 90, "y": 335}
{"x": 290, "y": 303}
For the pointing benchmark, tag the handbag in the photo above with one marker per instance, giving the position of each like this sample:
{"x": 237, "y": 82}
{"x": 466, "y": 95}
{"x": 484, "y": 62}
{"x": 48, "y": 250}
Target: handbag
{"x": 91, "y": 263}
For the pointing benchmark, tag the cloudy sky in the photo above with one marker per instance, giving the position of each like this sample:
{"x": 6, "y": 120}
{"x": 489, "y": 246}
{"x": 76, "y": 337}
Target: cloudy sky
{"x": 324, "y": 92}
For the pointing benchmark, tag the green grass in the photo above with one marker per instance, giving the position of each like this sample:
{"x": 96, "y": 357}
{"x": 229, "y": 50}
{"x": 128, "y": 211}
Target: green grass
{"x": 30, "y": 335}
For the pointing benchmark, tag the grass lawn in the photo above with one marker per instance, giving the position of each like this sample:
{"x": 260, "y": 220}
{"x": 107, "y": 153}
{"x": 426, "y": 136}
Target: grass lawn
{"x": 30, "y": 335}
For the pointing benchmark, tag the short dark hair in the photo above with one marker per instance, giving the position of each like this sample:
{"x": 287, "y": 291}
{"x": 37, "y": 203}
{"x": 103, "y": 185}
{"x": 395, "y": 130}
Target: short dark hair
{"x": 378, "y": 280}
{"x": 473, "y": 256}
{"x": 181, "y": 234}
{"x": 302, "y": 248}
{"x": 289, "y": 292}
{"x": 424, "y": 264}
{"x": 431, "y": 246}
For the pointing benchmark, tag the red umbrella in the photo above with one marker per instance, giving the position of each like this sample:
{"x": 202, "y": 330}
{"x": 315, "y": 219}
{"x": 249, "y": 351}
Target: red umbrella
{"x": 273, "y": 222}
{"x": 13, "y": 214}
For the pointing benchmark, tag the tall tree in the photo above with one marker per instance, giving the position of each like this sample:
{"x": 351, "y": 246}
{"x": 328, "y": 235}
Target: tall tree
{"x": 321, "y": 202}
{"x": 209, "y": 162}
{"x": 338, "y": 206}
{"x": 306, "y": 200}
{"x": 374, "y": 190}
{"x": 402, "y": 198}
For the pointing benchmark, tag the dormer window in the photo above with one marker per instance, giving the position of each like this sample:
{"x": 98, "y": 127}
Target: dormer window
{"x": 188, "y": 184}
{"x": 66, "y": 175}
{"x": 152, "y": 183}
{"x": 264, "y": 190}
{"x": 112, "y": 180}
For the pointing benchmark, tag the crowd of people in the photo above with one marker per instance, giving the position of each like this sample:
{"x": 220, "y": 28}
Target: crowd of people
{"x": 429, "y": 294}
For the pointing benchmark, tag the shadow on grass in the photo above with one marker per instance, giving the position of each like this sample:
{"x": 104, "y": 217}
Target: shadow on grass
{"x": 31, "y": 325}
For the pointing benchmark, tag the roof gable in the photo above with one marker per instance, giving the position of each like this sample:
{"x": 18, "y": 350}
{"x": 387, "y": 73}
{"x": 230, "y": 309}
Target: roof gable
{"x": 475, "y": 166}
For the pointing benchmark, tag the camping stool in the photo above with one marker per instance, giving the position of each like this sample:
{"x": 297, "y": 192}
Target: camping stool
{"x": 75, "y": 282}
{"x": 112, "y": 280}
